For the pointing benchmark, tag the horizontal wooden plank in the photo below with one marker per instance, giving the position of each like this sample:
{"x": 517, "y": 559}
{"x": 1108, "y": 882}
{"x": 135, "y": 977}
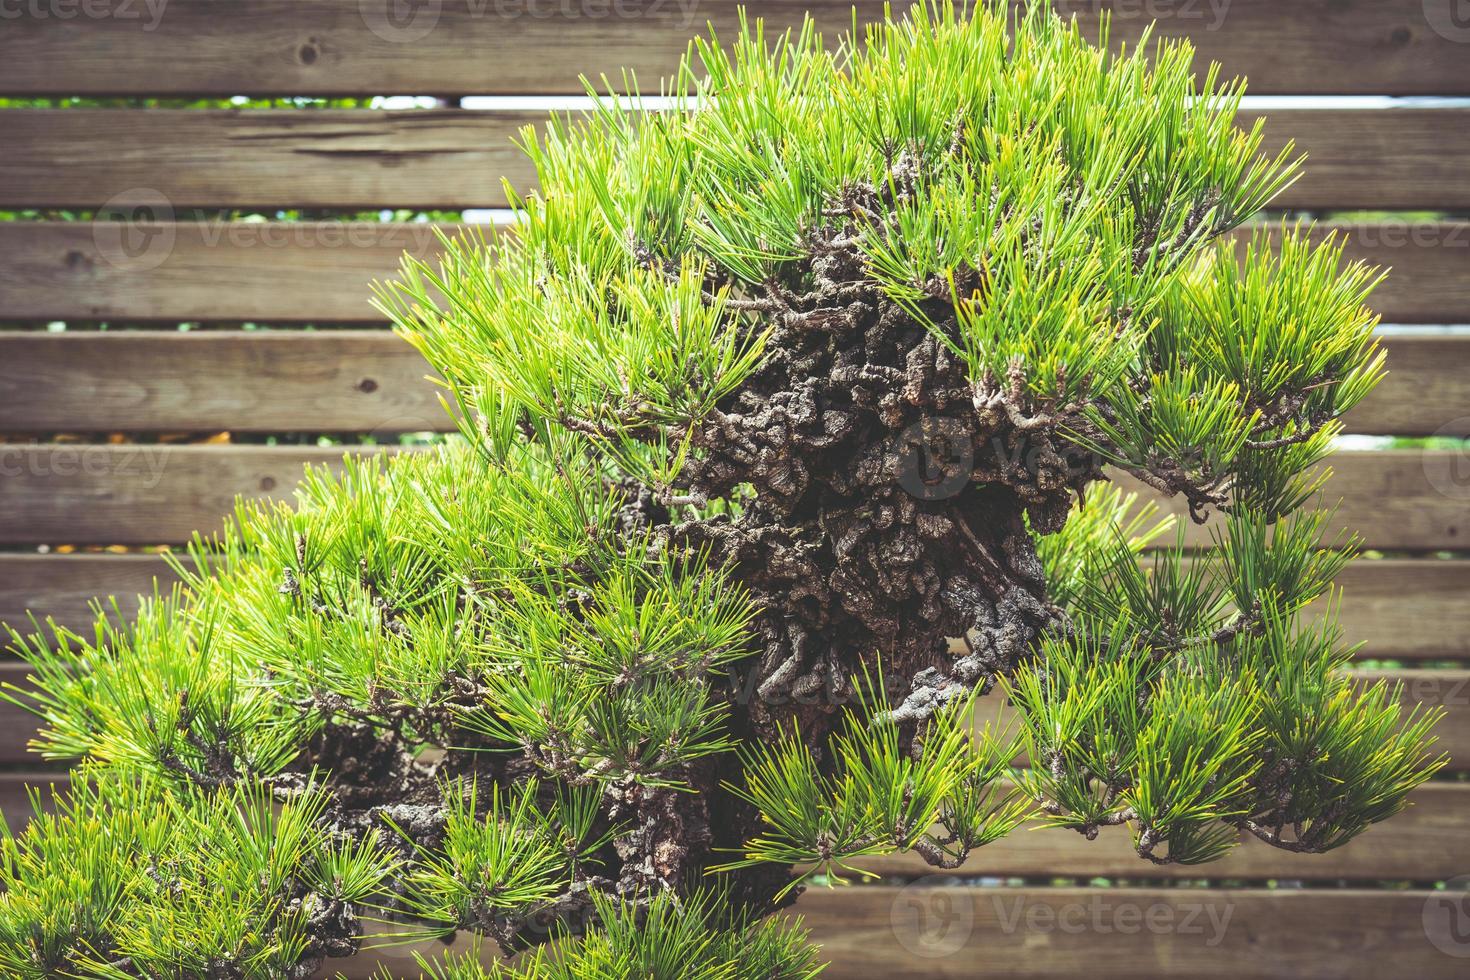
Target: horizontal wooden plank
{"x": 1406, "y": 499}
{"x": 1399, "y": 609}
{"x": 160, "y": 494}
{"x": 371, "y": 381}
{"x": 320, "y": 271}
{"x": 257, "y": 381}
{"x": 929, "y": 933}
{"x": 1390, "y": 159}
{"x": 63, "y": 587}
{"x": 1428, "y": 265}
{"x": 468, "y": 47}
{"x": 1404, "y": 609}
{"x": 1447, "y": 689}
{"x": 150, "y": 162}
{"x": 1425, "y": 842}
{"x": 137, "y": 494}
{"x": 268, "y": 272}
{"x": 1423, "y": 394}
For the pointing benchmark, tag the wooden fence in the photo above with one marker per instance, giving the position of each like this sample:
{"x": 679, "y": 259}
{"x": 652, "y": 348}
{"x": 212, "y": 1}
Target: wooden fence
{"x": 103, "y": 458}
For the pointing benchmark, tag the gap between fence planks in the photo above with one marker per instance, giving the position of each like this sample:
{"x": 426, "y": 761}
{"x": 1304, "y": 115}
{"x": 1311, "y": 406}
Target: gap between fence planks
{"x": 1392, "y": 159}
{"x": 315, "y": 271}
{"x": 372, "y": 381}
{"x": 465, "y": 47}
{"x": 154, "y": 494}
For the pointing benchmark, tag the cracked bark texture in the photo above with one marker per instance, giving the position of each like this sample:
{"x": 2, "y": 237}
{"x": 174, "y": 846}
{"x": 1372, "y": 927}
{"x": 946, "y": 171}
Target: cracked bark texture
{"x": 895, "y": 501}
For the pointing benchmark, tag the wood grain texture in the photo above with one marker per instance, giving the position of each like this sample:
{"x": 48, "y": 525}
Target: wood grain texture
{"x": 160, "y": 494}
{"x": 1432, "y": 689}
{"x": 1399, "y": 609}
{"x": 62, "y": 587}
{"x": 1406, "y": 499}
{"x": 268, "y": 272}
{"x": 1425, "y": 842}
{"x": 338, "y": 381}
{"x": 249, "y": 158}
{"x": 138, "y": 494}
{"x": 259, "y": 158}
{"x": 935, "y": 933}
{"x": 371, "y": 381}
{"x": 293, "y": 272}
{"x": 1448, "y": 689}
{"x": 528, "y": 46}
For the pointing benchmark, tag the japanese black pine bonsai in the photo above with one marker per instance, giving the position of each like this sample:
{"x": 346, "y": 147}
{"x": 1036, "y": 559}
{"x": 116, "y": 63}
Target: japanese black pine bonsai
{"x": 788, "y": 413}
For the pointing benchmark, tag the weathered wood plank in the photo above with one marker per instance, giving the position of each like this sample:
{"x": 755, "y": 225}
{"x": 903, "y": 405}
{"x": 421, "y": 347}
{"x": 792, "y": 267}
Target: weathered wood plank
{"x": 320, "y": 271}
{"x": 1428, "y": 266}
{"x": 268, "y": 272}
{"x": 1400, "y": 609}
{"x": 63, "y": 587}
{"x": 138, "y": 494}
{"x": 1404, "y": 499}
{"x": 160, "y": 494}
{"x": 256, "y": 381}
{"x": 1447, "y": 689}
{"x": 921, "y": 931}
{"x": 345, "y": 47}
{"x": 168, "y": 159}
{"x": 1426, "y": 842}
{"x": 371, "y": 381}
{"x": 150, "y": 161}
{"x": 1424, "y": 392}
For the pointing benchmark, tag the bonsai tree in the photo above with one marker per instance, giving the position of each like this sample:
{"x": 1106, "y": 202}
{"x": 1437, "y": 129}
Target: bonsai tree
{"x": 788, "y": 417}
